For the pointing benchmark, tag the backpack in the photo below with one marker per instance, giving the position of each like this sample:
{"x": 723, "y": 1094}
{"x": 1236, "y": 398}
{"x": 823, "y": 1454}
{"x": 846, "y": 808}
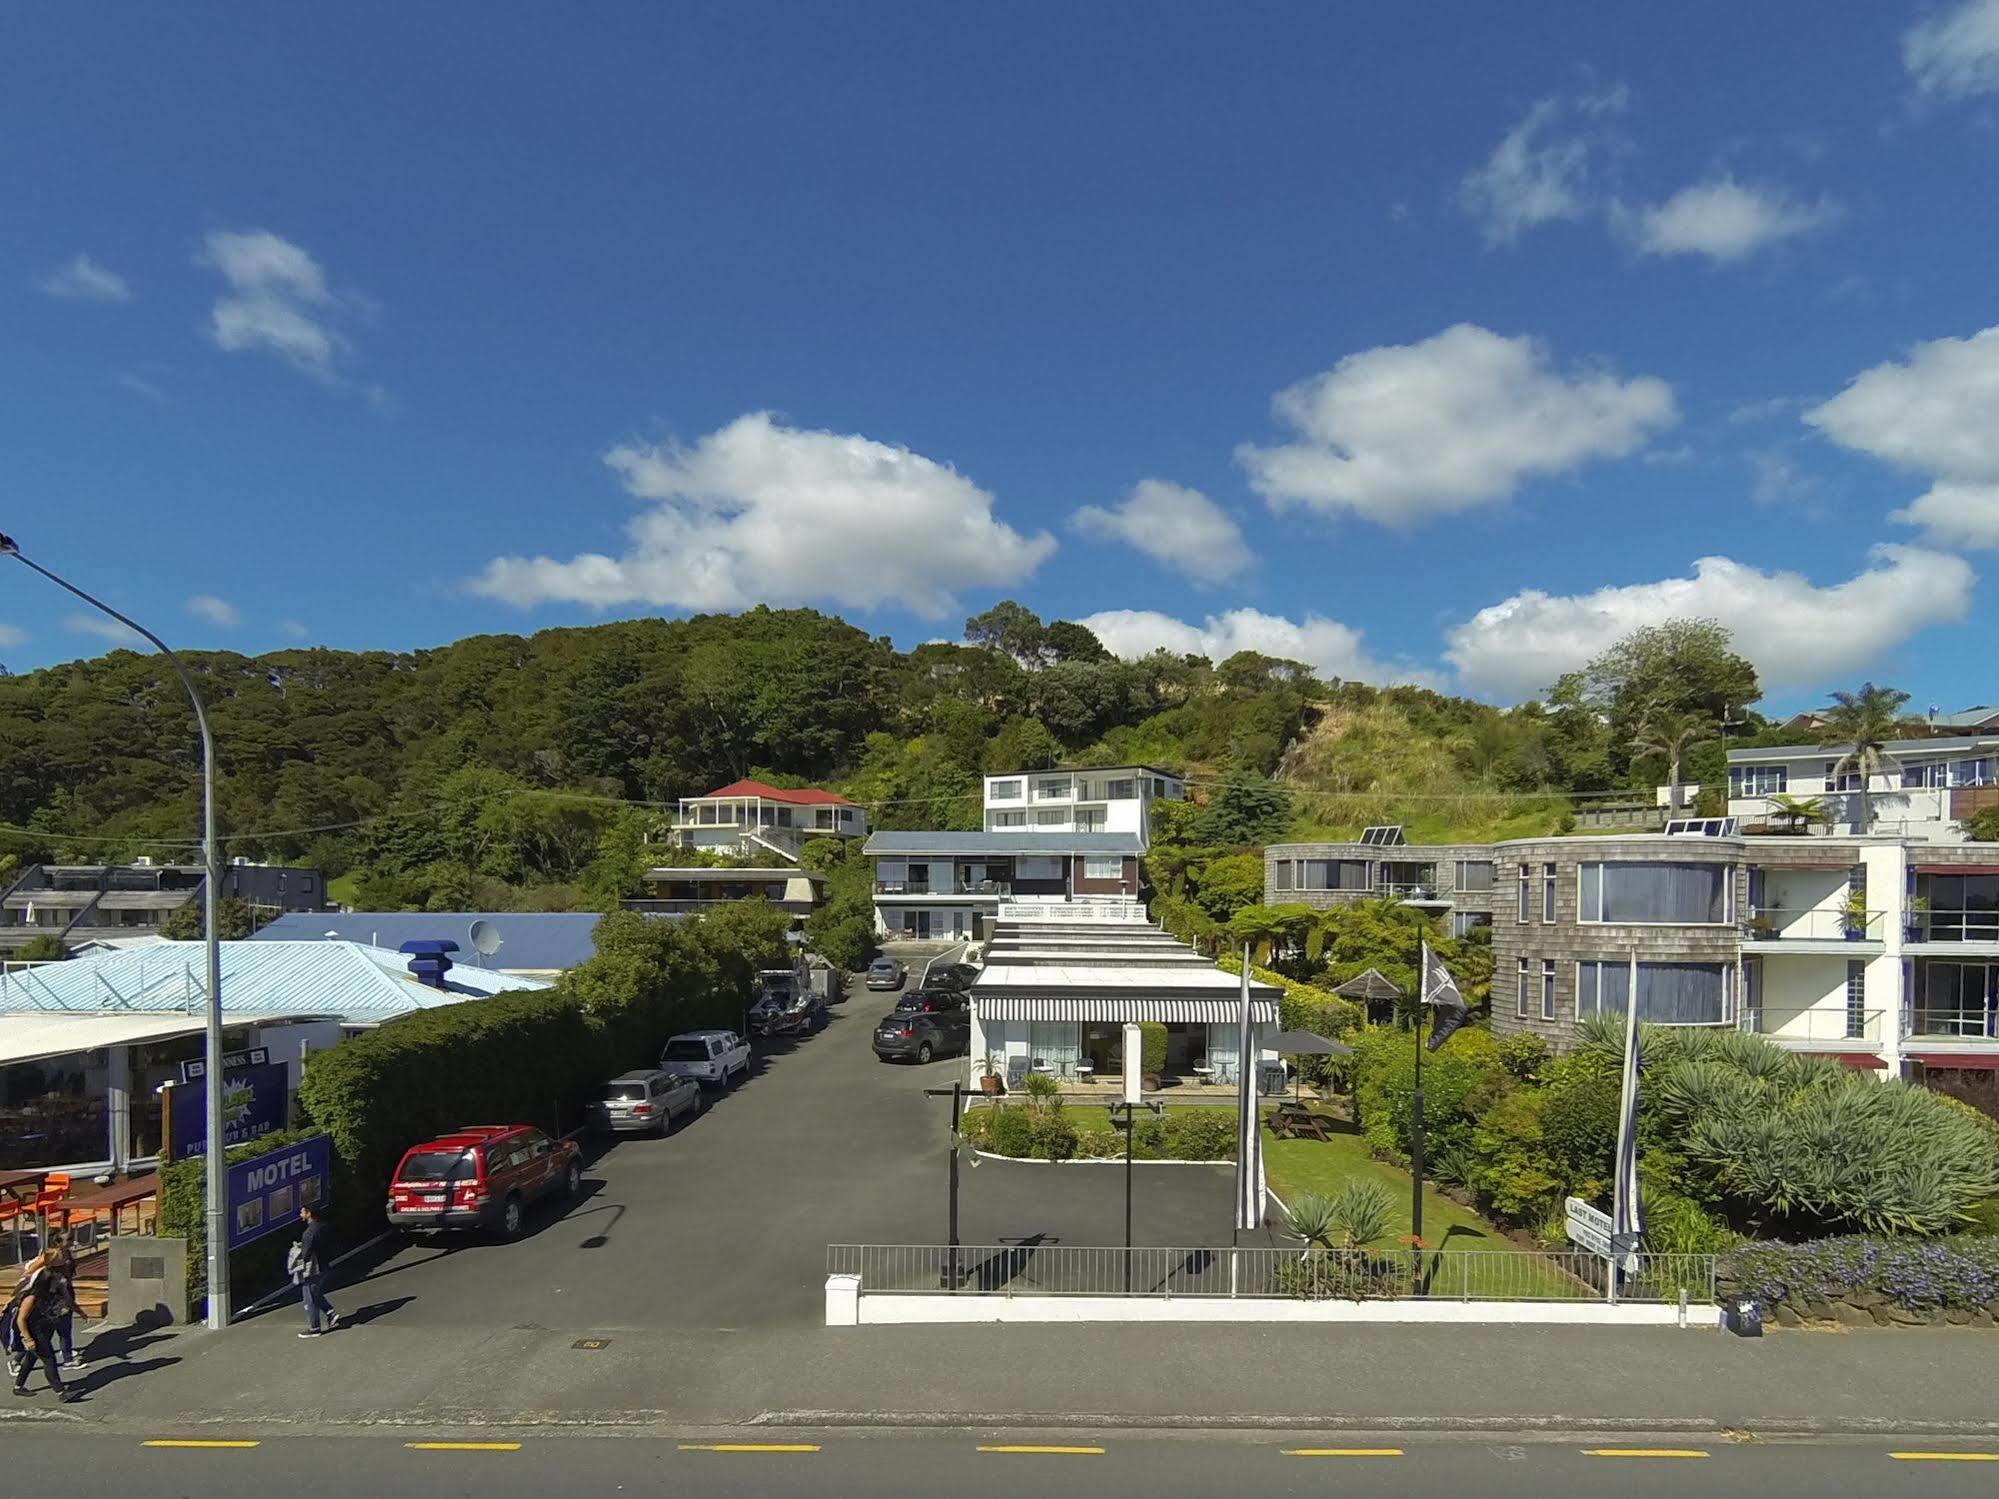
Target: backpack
{"x": 10, "y": 1320}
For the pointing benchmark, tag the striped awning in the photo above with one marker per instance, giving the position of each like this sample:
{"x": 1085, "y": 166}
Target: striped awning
{"x": 1119, "y": 1009}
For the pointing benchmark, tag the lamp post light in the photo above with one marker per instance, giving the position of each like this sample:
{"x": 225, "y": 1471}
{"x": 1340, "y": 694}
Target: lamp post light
{"x": 1121, "y": 1114}
{"x": 956, "y": 1093}
{"x": 217, "y": 1249}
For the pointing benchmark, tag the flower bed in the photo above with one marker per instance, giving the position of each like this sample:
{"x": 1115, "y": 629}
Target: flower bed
{"x": 1869, "y": 1282}
{"x": 1048, "y": 1130}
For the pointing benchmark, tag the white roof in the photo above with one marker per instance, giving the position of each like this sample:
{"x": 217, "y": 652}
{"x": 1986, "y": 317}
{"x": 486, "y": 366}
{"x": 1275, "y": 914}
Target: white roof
{"x": 24, "y": 1038}
{"x": 1188, "y": 980}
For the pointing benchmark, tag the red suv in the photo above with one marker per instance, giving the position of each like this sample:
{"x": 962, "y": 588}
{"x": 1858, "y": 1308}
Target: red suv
{"x": 482, "y": 1176}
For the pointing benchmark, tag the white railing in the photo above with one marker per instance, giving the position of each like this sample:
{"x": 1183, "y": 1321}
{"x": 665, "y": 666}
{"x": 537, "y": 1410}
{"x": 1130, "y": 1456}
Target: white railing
{"x": 1833, "y": 1022}
{"x": 1814, "y": 924}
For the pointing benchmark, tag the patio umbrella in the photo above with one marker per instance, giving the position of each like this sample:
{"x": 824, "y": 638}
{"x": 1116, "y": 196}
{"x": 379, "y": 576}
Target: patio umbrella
{"x": 1306, "y": 1044}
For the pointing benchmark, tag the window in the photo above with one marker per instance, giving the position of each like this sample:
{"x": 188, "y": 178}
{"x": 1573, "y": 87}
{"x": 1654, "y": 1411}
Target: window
{"x": 1332, "y": 874}
{"x": 1668, "y": 993}
{"x": 1941, "y": 773}
{"x": 1758, "y": 780}
{"x": 1654, "y": 894}
{"x": 1003, "y": 791}
{"x": 1473, "y": 874}
{"x": 1050, "y": 819}
{"x": 1103, "y": 869}
{"x": 1055, "y": 789}
{"x": 1520, "y": 991}
{"x": 1856, "y": 999}
{"x": 1009, "y": 819}
{"x": 1122, "y": 791}
{"x": 1464, "y": 923}
{"x": 1835, "y": 780}
{"x": 1280, "y": 878}
{"x": 1526, "y": 895}
{"x": 1548, "y": 894}
{"x": 1547, "y": 988}
{"x": 709, "y": 813}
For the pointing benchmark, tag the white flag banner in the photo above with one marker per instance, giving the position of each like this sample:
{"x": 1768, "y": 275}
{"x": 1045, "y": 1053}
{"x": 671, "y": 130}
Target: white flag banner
{"x": 1627, "y": 1216}
{"x": 1249, "y": 1182}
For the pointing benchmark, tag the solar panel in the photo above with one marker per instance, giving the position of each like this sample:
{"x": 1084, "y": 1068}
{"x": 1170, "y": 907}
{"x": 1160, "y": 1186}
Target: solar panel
{"x": 1384, "y": 836}
{"x": 1701, "y": 827}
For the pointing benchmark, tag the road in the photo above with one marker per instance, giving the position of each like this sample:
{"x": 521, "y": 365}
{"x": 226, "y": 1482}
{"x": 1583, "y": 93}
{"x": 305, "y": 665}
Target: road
{"x": 976, "y": 1465}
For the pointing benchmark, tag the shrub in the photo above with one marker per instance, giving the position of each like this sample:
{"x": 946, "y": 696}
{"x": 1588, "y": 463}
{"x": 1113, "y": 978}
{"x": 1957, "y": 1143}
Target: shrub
{"x": 1054, "y": 1133}
{"x": 1678, "y": 1225}
{"x": 1040, "y": 1087}
{"x": 255, "y": 1268}
{"x": 1459, "y": 1083}
{"x": 1514, "y": 1178}
{"x": 1200, "y": 1135}
{"x": 1524, "y": 1054}
{"x": 44, "y": 947}
{"x": 1364, "y": 1210}
{"x": 1579, "y": 1121}
{"x": 1961, "y": 1272}
{"x": 1104, "y": 1144}
{"x": 1148, "y": 1138}
{"x": 1011, "y": 1131}
{"x": 1151, "y": 1048}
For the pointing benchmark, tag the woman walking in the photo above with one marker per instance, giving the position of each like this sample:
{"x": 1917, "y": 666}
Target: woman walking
{"x": 36, "y": 1311}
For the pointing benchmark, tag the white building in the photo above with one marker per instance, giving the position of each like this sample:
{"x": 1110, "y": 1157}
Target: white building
{"x": 1079, "y": 801}
{"x": 953, "y": 885}
{"x": 745, "y": 816}
{"x": 1067, "y": 996}
{"x": 1926, "y": 791}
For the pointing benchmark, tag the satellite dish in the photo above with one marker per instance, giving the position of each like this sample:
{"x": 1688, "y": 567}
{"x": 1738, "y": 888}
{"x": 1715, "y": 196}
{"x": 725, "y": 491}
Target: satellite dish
{"x": 485, "y": 938}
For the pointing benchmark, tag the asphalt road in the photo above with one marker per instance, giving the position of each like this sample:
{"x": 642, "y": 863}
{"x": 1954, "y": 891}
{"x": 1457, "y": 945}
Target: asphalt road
{"x": 974, "y": 1465}
{"x": 723, "y": 1225}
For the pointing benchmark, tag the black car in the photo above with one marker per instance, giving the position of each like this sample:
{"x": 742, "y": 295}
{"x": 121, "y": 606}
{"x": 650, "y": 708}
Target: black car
{"x": 926, "y": 1023}
{"x": 955, "y": 979}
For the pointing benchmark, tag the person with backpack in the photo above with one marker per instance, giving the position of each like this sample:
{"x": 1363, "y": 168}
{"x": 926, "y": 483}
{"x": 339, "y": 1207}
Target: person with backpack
{"x": 63, "y": 1291}
{"x": 307, "y": 1263}
{"x": 34, "y": 1314}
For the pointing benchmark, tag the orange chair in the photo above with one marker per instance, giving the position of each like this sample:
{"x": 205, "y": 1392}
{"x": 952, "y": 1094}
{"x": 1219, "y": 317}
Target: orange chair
{"x": 48, "y": 1202}
{"x": 12, "y": 1211}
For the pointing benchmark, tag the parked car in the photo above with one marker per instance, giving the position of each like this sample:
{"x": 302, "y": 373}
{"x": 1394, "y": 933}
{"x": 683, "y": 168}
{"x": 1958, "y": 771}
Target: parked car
{"x": 713, "y": 1058}
{"x": 645, "y": 1101}
{"x": 925, "y": 1023}
{"x": 484, "y": 1176}
{"x": 957, "y": 977}
{"x": 886, "y": 973}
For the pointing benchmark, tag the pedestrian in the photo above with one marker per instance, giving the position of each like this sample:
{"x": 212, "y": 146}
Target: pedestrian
{"x": 308, "y": 1267}
{"x": 34, "y": 1311}
{"x": 63, "y": 1293}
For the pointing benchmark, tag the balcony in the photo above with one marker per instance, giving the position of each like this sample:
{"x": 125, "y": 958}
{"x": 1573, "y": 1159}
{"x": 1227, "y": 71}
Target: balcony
{"x": 1776, "y": 930}
{"x": 1826, "y": 1027}
{"x": 1978, "y": 1022}
{"x": 1960, "y": 926}
{"x": 943, "y": 887}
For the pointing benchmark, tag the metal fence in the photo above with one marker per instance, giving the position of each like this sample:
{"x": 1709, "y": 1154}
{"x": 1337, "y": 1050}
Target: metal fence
{"x": 1036, "y": 1269}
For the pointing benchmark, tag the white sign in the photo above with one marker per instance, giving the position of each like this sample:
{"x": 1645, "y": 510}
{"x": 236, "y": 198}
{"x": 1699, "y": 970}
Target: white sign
{"x": 1590, "y": 1228}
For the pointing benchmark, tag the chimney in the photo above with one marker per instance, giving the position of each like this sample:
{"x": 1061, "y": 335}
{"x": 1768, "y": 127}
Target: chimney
{"x": 429, "y": 960}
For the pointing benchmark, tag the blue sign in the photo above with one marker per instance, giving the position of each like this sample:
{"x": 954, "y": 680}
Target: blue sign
{"x": 265, "y": 1191}
{"x": 253, "y": 1105}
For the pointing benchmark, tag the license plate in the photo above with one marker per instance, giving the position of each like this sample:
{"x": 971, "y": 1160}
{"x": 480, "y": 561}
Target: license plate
{"x": 433, "y": 1199}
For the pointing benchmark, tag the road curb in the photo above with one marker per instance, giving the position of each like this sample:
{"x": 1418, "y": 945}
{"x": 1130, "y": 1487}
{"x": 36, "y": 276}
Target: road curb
{"x": 1552, "y": 1425}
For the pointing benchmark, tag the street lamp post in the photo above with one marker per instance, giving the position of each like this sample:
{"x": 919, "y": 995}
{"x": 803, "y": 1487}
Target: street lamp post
{"x": 1121, "y": 1118}
{"x": 218, "y": 1251}
{"x": 956, "y": 1093}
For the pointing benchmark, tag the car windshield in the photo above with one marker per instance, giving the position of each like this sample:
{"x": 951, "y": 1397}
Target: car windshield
{"x": 624, "y": 1092}
{"x": 687, "y": 1051}
{"x": 437, "y": 1165}
{"x": 916, "y": 1001}
{"x": 882, "y": 965}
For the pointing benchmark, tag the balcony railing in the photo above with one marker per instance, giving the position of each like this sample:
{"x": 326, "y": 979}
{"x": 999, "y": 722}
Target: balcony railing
{"x": 1977, "y": 1020}
{"x": 1818, "y": 924}
{"x": 1953, "y": 926}
{"x": 943, "y": 887}
{"x": 1815, "y": 1023}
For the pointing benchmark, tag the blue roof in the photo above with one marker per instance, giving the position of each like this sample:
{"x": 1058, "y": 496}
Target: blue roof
{"x": 263, "y": 980}
{"x": 537, "y": 940}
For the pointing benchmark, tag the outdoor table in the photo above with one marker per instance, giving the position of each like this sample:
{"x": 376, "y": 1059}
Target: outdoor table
{"x": 114, "y": 1199}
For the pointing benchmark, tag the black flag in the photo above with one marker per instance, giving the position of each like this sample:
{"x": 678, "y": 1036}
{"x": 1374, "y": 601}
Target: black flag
{"x": 1440, "y": 992}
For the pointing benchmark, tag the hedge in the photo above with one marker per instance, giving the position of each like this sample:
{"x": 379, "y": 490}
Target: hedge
{"x": 1044, "y": 1131}
{"x": 1858, "y": 1278}
{"x": 254, "y": 1269}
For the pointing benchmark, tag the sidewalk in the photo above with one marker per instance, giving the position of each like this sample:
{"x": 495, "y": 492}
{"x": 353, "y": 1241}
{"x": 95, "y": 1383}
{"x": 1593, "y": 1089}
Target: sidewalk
{"x": 260, "y": 1375}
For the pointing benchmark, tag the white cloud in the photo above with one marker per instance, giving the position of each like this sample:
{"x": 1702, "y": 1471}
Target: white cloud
{"x": 1936, "y": 413}
{"x": 1176, "y": 526}
{"x": 84, "y": 279}
{"x": 1797, "y": 633}
{"x": 294, "y": 629}
{"x": 10, "y": 637}
{"x": 139, "y": 385}
{"x": 1780, "y": 482}
{"x": 1540, "y": 171}
{"x": 105, "y": 628}
{"x": 1722, "y": 219}
{"x": 1329, "y": 647}
{"x": 757, "y": 512}
{"x": 277, "y": 301}
{"x": 1410, "y": 431}
{"x": 1955, "y": 52}
{"x": 216, "y": 611}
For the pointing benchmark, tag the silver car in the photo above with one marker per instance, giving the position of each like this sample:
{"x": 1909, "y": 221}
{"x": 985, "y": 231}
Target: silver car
{"x": 645, "y": 1102}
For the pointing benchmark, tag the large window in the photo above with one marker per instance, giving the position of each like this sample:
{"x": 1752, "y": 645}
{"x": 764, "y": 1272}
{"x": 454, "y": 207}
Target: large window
{"x": 1281, "y": 875}
{"x": 1054, "y": 819}
{"x": 1657, "y": 894}
{"x": 1956, "y": 999}
{"x": 1124, "y": 790}
{"x": 1473, "y": 875}
{"x": 1464, "y": 923}
{"x": 1056, "y": 789}
{"x": 1547, "y": 988}
{"x": 1526, "y": 894}
{"x": 1332, "y": 874}
{"x": 1856, "y": 998}
{"x": 1103, "y": 869}
{"x": 1758, "y": 780}
{"x": 1548, "y": 894}
{"x": 1003, "y": 791}
{"x": 1840, "y": 780}
{"x": 1941, "y": 773}
{"x": 1520, "y": 991}
{"x": 1009, "y": 819}
{"x": 1054, "y": 1046}
{"x": 1668, "y": 993}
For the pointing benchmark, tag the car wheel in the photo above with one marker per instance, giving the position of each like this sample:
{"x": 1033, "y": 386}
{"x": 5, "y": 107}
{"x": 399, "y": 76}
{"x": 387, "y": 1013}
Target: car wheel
{"x": 923, "y": 1055}
{"x": 511, "y": 1217}
{"x": 572, "y": 1179}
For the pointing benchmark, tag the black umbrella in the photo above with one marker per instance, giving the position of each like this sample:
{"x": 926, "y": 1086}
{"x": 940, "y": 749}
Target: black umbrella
{"x": 1306, "y": 1044}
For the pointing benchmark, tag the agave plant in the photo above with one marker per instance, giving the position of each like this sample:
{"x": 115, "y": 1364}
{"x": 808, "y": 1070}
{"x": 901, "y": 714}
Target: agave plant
{"x": 1364, "y": 1210}
{"x": 1315, "y": 1222}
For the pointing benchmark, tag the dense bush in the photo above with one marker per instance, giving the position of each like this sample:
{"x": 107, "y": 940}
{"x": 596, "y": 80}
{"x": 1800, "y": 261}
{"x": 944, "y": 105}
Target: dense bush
{"x": 1922, "y": 1276}
{"x": 1200, "y": 1134}
{"x": 1459, "y": 1083}
{"x": 1151, "y": 1048}
{"x": 1009, "y": 1131}
{"x": 256, "y": 1268}
{"x": 1044, "y": 1129}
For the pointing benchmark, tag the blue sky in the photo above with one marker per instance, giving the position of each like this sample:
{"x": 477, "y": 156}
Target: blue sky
{"x": 1443, "y": 343}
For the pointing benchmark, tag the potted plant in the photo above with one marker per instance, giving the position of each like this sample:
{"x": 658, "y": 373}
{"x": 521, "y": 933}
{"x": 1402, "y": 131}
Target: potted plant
{"x": 1917, "y": 922}
{"x": 1854, "y": 913}
{"x": 992, "y": 1071}
{"x": 1761, "y": 927}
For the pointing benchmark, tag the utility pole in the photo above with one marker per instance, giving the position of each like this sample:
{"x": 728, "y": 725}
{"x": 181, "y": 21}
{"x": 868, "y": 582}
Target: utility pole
{"x": 1121, "y": 1118}
{"x": 956, "y": 1093}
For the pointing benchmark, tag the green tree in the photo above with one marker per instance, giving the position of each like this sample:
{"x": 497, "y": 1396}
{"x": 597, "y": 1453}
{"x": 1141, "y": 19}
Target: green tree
{"x": 1065, "y": 640}
{"x": 44, "y": 947}
{"x": 1010, "y": 628}
{"x": 1679, "y": 667}
{"x": 1983, "y": 825}
{"x": 1860, "y": 724}
{"x": 1246, "y": 808}
{"x": 1671, "y": 736}
{"x": 233, "y": 920}
{"x": 1228, "y": 883}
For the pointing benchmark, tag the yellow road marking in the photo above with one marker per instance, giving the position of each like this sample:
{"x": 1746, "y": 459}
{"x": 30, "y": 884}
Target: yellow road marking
{"x": 1343, "y": 1452}
{"x": 463, "y": 1446}
{"x": 1945, "y": 1457}
{"x": 1643, "y": 1452}
{"x": 163, "y": 1442}
{"x": 1048, "y": 1451}
{"x": 749, "y": 1446}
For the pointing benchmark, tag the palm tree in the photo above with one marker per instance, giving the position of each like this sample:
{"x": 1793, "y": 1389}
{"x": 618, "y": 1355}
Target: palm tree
{"x": 1800, "y": 811}
{"x": 1673, "y": 736}
{"x": 1261, "y": 927}
{"x": 1861, "y": 724}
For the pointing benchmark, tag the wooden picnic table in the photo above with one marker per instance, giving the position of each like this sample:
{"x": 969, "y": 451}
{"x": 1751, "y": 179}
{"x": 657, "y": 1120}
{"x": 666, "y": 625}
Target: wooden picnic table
{"x": 1290, "y": 1120}
{"x": 13, "y": 1183}
{"x": 113, "y": 1199}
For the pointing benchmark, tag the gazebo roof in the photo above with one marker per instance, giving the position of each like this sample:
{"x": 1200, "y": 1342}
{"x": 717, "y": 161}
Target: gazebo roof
{"x": 1370, "y": 985}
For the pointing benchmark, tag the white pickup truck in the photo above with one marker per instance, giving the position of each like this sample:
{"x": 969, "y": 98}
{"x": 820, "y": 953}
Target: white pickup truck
{"x": 713, "y": 1058}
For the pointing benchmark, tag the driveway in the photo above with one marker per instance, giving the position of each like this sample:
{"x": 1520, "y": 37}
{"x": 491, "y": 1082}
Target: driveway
{"x": 724, "y": 1224}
